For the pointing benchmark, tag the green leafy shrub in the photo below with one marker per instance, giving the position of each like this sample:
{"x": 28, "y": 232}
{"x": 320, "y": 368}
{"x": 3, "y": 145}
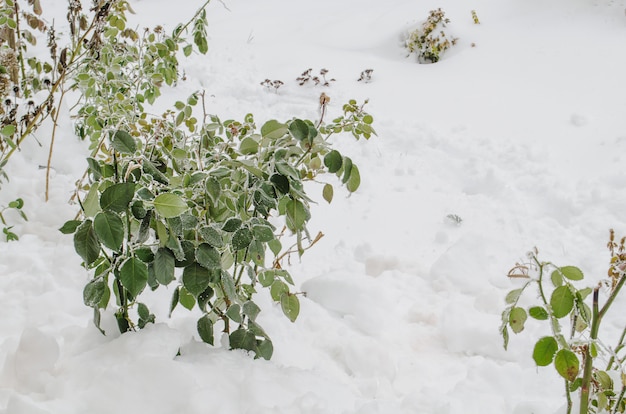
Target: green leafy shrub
{"x": 429, "y": 41}
{"x": 187, "y": 198}
{"x": 574, "y": 348}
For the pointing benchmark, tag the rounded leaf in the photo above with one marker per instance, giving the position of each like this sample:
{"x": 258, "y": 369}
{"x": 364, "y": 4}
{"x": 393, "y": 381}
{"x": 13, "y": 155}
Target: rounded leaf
{"x": 208, "y": 256}
{"x": 164, "y": 264}
{"x": 134, "y": 276}
{"x": 517, "y": 318}
{"x": 572, "y": 273}
{"x": 86, "y": 242}
{"x": 196, "y": 278}
{"x": 544, "y": 351}
{"x": 123, "y": 142}
{"x": 290, "y": 305}
{"x": 299, "y": 129}
{"x": 242, "y": 238}
{"x": 538, "y": 313}
{"x": 110, "y": 229}
{"x": 561, "y": 301}
{"x": 333, "y": 161}
{"x": 170, "y": 205}
{"x": 567, "y": 364}
{"x": 205, "y": 329}
{"x": 117, "y": 197}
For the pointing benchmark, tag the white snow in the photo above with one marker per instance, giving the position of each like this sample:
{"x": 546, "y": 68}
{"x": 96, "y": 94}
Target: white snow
{"x": 519, "y": 130}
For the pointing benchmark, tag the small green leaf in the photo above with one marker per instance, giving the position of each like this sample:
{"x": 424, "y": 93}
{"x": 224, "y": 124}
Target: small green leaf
{"x": 109, "y": 229}
{"x": 539, "y": 313}
{"x": 248, "y": 146}
{"x": 265, "y": 349}
{"x": 347, "y": 169}
{"x": 296, "y": 215}
{"x": 567, "y": 364}
{"x": 263, "y": 233}
{"x": 544, "y": 351}
{"x": 213, "y": 189}
{"x": 117, "y": 197}
{"x": 513, "y": 296}
{"x": 299, "y": 129}
{"x": 70, "y": 226}
{"x": 234, "y": 313}
{"x": 86, "y": 242}
{"x": 134, "y": 276}
{"x": 281, "y": 183}
{"x": 242, "y": 339}
{"x": 186, "y": 299}
{"x": 242, "y": 238}
{"x": 251, "y": 310}
{"x": 205, "y": 329}
{"x": 517, "y": 318}
{"x": 94, "y": 292}
{"x": 174, "y": 301}
{"x": 170, "y": 205}
{"x": 561, "y": 301}
{"x": 266, "y": 278}
{"x": 290, "y": 306}
{"x": 164, "y": 264}
{"x": 273, "y": 130}
{"x": 8, "y": 130}
{"x": 123, "y": 142}
{"x": 572, "y": 273}
{"x": 333, "y": 161}
{"x": 556, "y": 278}
{"x": 208, "y": 256}
{"x": 232, "y": 224}
{"x": 355, "y": 179}
{"x": 278, "y": 289}
{"x": 196, "y": 278}
{"x": 212, "y": 236}
{"x": 327, "y": 193}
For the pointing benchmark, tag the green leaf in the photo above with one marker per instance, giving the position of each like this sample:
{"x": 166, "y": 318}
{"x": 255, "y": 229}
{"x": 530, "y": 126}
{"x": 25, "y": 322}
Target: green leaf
{"x": 170, "y": 205}
{"x": 134, "y": 276}
{"x": 347, "y": 169}
{"x": 91, "y": 205}
{"x": 544, "y": 351}
{"x": 8, "y": 130}
{"x": 265, "y": 349}
{"x": 266, "y": 278}
{"x": 234, "y": 313}
{"x": 232, "y": 224}
{"x": 296, "y": 215}
{"x": 561, "y": 301}
{"x": 205, "y": 329}
{"x": 86, "y": 242}
{"x": 539, "y": 313}
{"x": 333, "y": 161}
{"x": 263, "y": 233}
{"x": 196, "y": 278}
{"x": 212, "y": 236}
{"x": 299, "y": 129}
{"x": 278, "y": 289}
{"x": 248, "y": 146}
{"x": 273, "y": 130}
{"x": 290, "y": 306}
{"x": 186, "y": 299}
{"x": 109, "y": 229}
{"x": 281, "y": 183}
{"x": 572, "y": 273}
{"x": 328, "y": 192}
{"x": 123, "y": 142}
{"x": 251, "y": 310}
{"x": 93, "y": 293}
{"x": 242, "y": 238}
{"x": 567, "y": 364}
{"x": 70, "y": 226}
{"x": 174, "y": 301}
{"x": 355, "y": 179}
{"x": 117, "y": 197}
{"x": 143, "y": 311}
{"x": 213, "y": 189}
{"x": 557, "y": 278}
{"x": 164, "y": 264}
{"x": 242, "y": 339}
{"x": 208, "y": 256}
{"x": 513, "y": 296}
{"x": 517, "y": 318}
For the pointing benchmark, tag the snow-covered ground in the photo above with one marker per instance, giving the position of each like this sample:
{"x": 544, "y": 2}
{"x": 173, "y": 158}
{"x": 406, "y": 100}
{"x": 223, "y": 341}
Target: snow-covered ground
{"x": 520, "y": 130}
